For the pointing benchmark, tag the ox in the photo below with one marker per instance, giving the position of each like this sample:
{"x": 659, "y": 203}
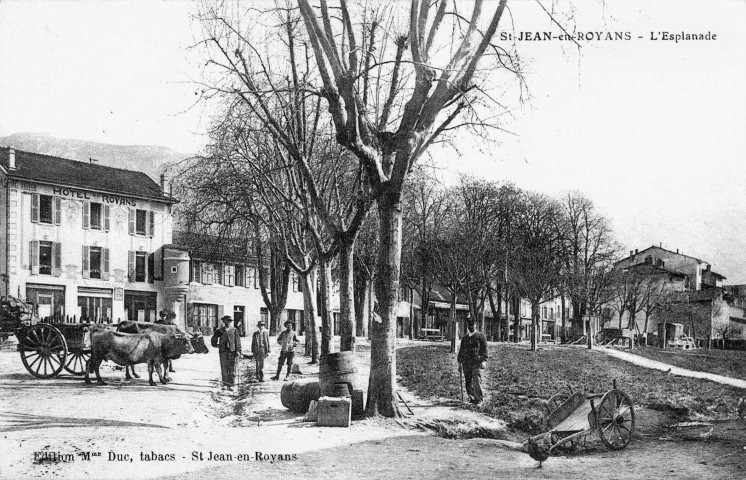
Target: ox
{"x": 196, "y": 339}
{"x": 125, "y": 349}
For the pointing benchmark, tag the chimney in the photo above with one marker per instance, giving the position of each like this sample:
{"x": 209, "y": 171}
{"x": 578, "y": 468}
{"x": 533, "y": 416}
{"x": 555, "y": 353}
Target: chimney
{"x": 93, "y": 161}
{"x": 635, "y": 251}
{"x": 660, "y": 245}
{"x": 677, "y": 250}
{"x": 11, "y": 158}
{"x": 163, "y": 184}
{"x": 631, "y": 253}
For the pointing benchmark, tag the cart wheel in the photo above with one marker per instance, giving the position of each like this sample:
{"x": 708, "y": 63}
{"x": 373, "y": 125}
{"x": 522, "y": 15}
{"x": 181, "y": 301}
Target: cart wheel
{"x": 615, "y": 416}
{"x": 77, "y": 362}
{"x": 43, "y": 351}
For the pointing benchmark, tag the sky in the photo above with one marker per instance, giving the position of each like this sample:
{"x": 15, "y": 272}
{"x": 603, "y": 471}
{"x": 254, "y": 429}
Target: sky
{"x": 651, "y": 131}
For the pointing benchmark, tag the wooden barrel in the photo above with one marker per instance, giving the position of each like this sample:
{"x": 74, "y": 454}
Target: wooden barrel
{"x": 336, "y": 368}
{"x": 296, "y": 396}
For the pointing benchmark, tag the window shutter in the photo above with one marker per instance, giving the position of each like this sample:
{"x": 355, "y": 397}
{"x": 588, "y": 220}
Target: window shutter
{"x": 131, "y": 269}
{"x": 104, "y": 264}
{"x": 34, "y": 256}
{"x": 57, "y": 210}
{"x": 107, "y": 216}
{"x": 56, "y": 259}
{"x": 35, "y": 207}
{"x": 220, "y": 273}
{"x": 86, "y": 261}
{"x": 86, "y": 215}
{"x": 132, "y": 221}
{"x": 151, "y": 223}
{"x": 149, "y": 264}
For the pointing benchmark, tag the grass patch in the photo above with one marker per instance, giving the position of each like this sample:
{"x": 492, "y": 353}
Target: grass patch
{"x": 730, "y": 363}
{"x": 517, "y": 380}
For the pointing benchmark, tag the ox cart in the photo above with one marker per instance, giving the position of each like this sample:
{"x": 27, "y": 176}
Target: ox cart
{"x": 572, "y": 417}
{"x": 45, "y": 348}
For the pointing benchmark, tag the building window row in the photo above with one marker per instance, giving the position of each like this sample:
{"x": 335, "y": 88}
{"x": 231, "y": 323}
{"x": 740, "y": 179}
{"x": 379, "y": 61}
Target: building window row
{"x": 96, "y": 216}
{"x": 228, "y": 274}
{"x": 45, "y": 258}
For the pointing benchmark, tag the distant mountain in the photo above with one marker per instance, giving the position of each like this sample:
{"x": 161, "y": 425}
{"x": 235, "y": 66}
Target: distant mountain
{"x": 151, "y": 159}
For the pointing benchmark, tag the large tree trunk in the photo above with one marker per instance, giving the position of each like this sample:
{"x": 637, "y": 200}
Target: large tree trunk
{"x": 346, "y": 296}
{"x": 452, "y": 333}
{"x": 382, "y": 382}
{"x": 325, "y": 284}
{"x": 361, "y": 300}
{"x": 312, "y": 330}
{"x": 495, "y": 316}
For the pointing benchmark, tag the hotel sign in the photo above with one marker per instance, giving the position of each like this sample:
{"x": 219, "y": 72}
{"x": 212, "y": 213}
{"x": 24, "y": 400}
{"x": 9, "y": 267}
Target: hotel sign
{"x": 83, "y": 195}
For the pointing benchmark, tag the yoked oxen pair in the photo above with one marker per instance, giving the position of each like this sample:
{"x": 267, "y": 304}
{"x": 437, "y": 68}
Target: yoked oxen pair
{"x": 126, "y": 349}
{"x": 196, "y": 339}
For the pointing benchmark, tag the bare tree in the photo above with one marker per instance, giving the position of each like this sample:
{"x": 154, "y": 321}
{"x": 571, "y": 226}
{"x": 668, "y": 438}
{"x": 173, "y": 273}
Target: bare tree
{"x": 535, "y": 264}
{"x": 387, "y": 109}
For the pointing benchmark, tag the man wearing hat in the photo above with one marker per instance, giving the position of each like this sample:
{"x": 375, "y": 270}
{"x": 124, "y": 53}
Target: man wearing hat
{"x": 260, "y": 349}
{"x": 471, "y": 355}
{"x": 229, "y": 347}
{"x": 289, "y": 341}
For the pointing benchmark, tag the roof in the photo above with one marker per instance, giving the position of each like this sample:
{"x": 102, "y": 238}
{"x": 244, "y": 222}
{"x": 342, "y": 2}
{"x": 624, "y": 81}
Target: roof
{"x": 72, "y": 173}
{"x": 213, "y": 247}
{"x": 659, "y": 248}
{"x": 717, "y": 275}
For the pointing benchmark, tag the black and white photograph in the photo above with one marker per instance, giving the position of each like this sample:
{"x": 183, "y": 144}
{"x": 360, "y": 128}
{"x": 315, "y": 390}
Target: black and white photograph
{"x": 363, "y": 239}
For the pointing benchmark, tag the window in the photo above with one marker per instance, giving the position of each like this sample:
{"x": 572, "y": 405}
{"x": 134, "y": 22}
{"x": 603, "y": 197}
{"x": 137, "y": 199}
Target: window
{"x": 204, "y": 315}
{"x": 45, "y": 258}
{"x": 94, "y": 307}
{"x": 140, "y": 219}
{"x": 196, "y": 269}
{"x": 208, "y": 274}
{"x": 649, "y": 259}
{"x": 95, "y": 262}
{"x": 96, "y": 216}
{"x": 229, "y": 275}
{"x": 141, "y": 222}
{"x": 240, "y": 276}
{"x": 141, "y": 269}
{"x": 46, "y": 209}
{"x": 95, "y": 254}
{"x": 138, "y": 266}
{"x": 264, "y": 315}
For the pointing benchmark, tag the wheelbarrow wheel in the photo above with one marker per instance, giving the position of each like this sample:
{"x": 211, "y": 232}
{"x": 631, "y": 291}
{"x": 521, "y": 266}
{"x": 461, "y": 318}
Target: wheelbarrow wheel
{"x": 615, "y": 419}
{"x": 43, "y": 350}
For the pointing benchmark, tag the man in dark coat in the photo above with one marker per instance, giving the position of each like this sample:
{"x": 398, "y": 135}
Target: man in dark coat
{"x": 229, "y": 346}
{"x": 260, "y": 349}
{"x": 288, "y": 342}
{"x": 471, "y": 355}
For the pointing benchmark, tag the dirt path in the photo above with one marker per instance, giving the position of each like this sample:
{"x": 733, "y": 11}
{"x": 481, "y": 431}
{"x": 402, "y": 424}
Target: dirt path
{"x": 195, "y": 431}
{"x": 683, "y": 372}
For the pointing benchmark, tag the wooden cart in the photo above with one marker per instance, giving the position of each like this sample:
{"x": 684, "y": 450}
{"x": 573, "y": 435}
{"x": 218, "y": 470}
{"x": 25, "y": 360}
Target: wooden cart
{"x": 572, "y": 417}
{"x": 45, "y": 348}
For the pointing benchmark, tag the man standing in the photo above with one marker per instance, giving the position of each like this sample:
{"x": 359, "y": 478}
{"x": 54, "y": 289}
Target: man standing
{"x": 471, "y": 355}
{"x": 260, "y": 349}
{"x": 289, "y": 341}
{"x": 229, "y": 347}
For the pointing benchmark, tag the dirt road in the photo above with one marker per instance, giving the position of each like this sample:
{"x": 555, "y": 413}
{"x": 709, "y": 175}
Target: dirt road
{"x": 189, "y": 429}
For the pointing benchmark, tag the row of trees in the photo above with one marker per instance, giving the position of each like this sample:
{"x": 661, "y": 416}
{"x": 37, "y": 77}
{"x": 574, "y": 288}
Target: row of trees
{"x": 495, "y": 244}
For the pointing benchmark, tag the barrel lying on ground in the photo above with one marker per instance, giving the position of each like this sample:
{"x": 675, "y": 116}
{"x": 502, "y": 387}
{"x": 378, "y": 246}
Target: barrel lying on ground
{"x": 296, "y": 396}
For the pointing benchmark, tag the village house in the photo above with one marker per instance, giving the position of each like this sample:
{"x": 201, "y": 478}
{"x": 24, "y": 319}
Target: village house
{"x": 79, "y": 238}
{"x": 681, "y": 290}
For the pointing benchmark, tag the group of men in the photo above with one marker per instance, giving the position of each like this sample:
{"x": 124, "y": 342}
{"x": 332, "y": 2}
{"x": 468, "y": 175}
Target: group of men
{"x": 227, "y": 339}
{"x": 472, "y": 353}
